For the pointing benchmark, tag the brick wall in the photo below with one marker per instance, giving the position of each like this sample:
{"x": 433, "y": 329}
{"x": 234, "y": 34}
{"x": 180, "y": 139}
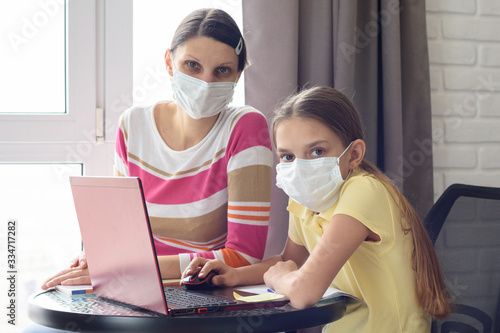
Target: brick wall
{"x": 464, "y": 54}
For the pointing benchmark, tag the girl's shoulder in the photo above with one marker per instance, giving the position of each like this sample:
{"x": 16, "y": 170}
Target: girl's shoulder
{"x": 368, "y": 184}
{"x": 362, "y": 178}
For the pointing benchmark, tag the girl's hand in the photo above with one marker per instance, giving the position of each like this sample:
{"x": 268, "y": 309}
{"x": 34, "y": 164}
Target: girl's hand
{"x": 226, "y": 276}
{"x": 274, "y": 277}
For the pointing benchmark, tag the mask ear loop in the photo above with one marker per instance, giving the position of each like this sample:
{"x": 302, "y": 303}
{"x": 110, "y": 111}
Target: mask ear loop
{"x": 342, "y": 155}
{"x": 346, "y": 150}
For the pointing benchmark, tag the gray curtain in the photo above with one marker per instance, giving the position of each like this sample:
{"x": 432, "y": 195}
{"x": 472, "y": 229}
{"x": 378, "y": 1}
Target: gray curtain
{"x": 374, "y": 51}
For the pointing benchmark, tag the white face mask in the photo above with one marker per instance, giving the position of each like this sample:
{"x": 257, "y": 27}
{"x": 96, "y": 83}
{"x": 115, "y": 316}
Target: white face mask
{"x": 201, "y": 99}
{"x": 313, "y": 183}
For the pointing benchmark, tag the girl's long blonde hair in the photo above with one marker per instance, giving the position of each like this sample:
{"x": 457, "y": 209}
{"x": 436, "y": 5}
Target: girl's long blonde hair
{"x": 334, "y": 109}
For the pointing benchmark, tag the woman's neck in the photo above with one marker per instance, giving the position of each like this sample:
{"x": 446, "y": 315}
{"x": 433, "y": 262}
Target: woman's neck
{"x": 178, "y": 130}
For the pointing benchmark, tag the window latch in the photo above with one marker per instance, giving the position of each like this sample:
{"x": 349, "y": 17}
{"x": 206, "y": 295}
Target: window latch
{"x": 99, "y": 125}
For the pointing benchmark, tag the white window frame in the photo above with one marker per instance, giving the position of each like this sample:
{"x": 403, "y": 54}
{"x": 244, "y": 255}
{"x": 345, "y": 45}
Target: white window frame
{"x": 98, "y": 75}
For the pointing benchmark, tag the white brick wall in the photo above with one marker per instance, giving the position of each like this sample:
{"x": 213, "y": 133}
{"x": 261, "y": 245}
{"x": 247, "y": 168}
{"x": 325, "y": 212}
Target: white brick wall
{"x": 464, "y": 54}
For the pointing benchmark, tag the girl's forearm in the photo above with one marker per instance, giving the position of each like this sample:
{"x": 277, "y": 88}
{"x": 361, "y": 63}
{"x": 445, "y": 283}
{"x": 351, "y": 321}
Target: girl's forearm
{"x": 286, "y": 279}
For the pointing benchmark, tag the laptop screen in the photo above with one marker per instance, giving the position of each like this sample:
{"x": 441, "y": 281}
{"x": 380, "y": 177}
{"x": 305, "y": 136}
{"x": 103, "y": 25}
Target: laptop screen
{"x": 117, "y": 239}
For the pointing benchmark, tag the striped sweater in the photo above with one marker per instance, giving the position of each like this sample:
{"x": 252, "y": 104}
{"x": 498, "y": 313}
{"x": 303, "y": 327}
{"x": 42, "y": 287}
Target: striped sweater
{"x": 211, "y": 200}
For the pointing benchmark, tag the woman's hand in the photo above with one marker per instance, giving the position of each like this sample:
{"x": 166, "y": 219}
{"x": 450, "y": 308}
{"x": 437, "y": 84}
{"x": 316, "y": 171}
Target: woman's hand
{"x": 76, "y": 274}
{"x": 226, "y": 276}
{"x": 79, "y": 262}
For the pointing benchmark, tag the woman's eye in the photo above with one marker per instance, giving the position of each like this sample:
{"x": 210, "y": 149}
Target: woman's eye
{"x": 318, "y": 152}
{"x": 192, "y": 64}
{"x": 223, "y": 70}
{"x": 287, "y": 158}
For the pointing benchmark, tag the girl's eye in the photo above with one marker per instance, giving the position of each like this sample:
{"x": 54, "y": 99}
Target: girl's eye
{"x": 287, "y": 158}
{"x": 318, "y": 152}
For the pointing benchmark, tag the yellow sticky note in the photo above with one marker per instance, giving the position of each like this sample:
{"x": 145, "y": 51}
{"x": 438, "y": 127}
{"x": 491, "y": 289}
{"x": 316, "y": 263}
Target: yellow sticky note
{"x": 257, "y": 298}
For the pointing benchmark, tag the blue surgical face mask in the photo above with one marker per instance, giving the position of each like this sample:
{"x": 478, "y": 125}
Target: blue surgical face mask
{"x": 200, "y": 99}
{"x": 313, "y": 183}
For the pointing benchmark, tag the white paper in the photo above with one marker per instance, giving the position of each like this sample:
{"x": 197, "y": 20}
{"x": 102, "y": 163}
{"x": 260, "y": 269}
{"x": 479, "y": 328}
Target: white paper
{"x": 262, "y": 289}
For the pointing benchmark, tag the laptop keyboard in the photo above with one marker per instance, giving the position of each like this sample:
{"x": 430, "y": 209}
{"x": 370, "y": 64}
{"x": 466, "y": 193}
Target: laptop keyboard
{"x": 184, "y": 298}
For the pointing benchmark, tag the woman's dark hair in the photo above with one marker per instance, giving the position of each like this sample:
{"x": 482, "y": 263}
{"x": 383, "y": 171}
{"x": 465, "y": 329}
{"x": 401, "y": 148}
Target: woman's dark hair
{"x": 213, "y": 23}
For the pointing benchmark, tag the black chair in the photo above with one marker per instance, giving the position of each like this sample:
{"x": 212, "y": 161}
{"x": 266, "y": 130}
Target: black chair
{"x": 464, "y": 226}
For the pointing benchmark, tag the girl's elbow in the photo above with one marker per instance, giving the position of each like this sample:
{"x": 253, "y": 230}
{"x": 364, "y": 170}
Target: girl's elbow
{"x": 303, "y": 300}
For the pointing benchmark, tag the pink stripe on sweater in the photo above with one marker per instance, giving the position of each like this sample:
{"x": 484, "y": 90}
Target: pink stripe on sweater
{"x": 207, "y": 255}
{"x": 163, "y": 249}
{"x": 187, "y": 189}
{"x": 245, "y": 134}
{"x": 248, "y": 239}
{"x": 120, "y": 146}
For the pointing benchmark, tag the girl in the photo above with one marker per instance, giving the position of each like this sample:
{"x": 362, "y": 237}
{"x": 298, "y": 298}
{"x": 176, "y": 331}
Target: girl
{"x": 349, "y": 226}
{"x": 205, "y": 166}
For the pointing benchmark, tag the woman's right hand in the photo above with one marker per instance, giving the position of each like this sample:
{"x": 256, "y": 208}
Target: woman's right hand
{"x": 226, "y": 276}
{"x": 76, "y": 274}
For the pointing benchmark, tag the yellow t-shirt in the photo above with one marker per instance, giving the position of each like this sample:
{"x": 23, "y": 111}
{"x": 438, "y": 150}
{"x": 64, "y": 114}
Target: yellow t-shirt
{"x": 379, "y": 273}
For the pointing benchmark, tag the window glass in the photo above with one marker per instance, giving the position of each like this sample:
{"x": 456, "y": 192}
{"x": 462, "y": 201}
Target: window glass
{"x": 38, "y": 198}
{"x": 155, "y": 22}
{"x": 32, "y": 55}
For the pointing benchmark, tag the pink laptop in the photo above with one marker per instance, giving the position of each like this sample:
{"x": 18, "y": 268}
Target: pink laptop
{"x": 119, "y": 246}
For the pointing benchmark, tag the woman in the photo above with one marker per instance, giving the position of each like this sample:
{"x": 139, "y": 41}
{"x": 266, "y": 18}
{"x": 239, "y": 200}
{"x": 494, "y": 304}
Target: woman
{"x": 205, "y": 166}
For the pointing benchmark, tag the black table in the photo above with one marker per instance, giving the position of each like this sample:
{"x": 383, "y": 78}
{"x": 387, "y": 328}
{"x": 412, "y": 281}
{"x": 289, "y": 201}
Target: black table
{"x": 88, "y": 313}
